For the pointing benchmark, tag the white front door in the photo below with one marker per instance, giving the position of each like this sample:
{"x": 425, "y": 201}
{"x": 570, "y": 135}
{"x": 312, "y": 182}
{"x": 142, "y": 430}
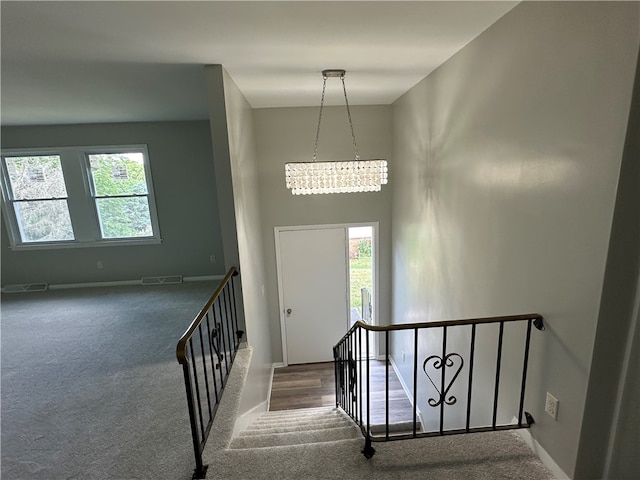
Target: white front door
{"x": 312, "y": 270}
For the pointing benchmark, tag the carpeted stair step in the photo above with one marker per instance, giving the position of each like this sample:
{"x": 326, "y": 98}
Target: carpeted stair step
{"x": 298, "y": 421}
{"x": 278, "y": 418}
{"x": 292, "y": 427}
{"x": 303, "y": 413}
{"x": 295, "y": 438}
{"x": 297, "y": 427}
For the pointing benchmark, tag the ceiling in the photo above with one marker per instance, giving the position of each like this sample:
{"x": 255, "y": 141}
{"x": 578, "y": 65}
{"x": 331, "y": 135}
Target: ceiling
{"x": 91, "y": 62}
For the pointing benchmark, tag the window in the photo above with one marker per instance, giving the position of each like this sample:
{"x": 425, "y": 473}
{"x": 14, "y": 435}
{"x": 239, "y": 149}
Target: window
{"x": 111, "y": 200}
{"x": 38, "y": 195}
{"x": 119, "y": 188}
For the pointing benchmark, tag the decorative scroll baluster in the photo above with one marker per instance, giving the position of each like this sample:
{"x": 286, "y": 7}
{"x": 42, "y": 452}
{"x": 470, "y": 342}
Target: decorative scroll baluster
{"x": 352, "y": 378}
{"x": 440, "y": 363}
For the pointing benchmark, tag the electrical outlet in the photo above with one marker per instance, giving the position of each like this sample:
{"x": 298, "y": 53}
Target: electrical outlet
{"x": 212, "y": 258}
{"x": 99, "y": 264}
{"x": 551, "y": 406}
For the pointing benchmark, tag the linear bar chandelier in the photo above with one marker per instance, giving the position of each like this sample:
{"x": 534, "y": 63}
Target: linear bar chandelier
{"x": 306, "y": 178}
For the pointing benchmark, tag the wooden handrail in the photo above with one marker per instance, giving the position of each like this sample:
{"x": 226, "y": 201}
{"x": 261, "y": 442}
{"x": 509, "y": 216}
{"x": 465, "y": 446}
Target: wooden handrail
{"x": 182, "y": 343}
{"x": 440, "y": 323}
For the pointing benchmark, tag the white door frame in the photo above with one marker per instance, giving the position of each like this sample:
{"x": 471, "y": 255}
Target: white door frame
{"x": 375, "y": 265}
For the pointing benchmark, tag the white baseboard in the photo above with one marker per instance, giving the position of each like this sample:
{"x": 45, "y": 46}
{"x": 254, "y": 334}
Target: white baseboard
{"x": 117, "y": 283}
{"x": 542, "y": 454}
{"x": 406, "y": 390}
{"x": 64, "y": 286}
{"x": 202, "y": 278}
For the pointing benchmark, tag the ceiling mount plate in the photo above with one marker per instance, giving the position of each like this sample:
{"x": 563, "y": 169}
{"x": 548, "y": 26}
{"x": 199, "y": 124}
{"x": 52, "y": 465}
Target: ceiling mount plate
{"x": 333, "y": 73}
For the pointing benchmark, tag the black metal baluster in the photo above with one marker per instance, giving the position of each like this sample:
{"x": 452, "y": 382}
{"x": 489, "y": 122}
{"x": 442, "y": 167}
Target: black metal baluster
{"x": 213, "y": 363}
{"x": 368, "y": 388}
{"x": 345, "y": 370}
{"x": 195, "y": 378}
{"x": 204, "y": 369}
{"x": 354, "y": 373}
{"x": 360, "y": 367}
{"x": 346, "y": 375}
{"x": 349, "y": 377}
{"x": 225, "y": 322}
{"x": 386, "y": 346}
{"x": 192, "y": 419}
{"x": 236, "y": 330}
{"x": 471, "y": 356}
{"x": 524, "y": 372}
{"x": 498, "y": 361}
{"x": 232, "y": 335}
{"x": 335, "y": 373}
{"x": 342, "y": 374}
{"x": 415, "y": 381}
{"x": 442, "y": 382}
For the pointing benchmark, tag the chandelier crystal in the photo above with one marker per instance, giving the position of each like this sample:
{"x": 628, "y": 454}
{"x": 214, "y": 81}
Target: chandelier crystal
{"x": 306, "y": 178}
{"x": 352, "y": 176}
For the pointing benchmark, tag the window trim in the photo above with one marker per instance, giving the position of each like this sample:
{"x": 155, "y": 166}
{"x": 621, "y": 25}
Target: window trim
{"x": 77, "y": 158}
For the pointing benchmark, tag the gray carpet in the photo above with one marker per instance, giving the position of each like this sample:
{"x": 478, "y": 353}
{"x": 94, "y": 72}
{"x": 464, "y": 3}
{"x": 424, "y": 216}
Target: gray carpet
{"x": 481, "y": 456}
{"x": 91, "y": 387}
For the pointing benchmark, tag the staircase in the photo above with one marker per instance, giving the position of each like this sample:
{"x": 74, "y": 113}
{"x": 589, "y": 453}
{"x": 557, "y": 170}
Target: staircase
{"x": 324, "y": 444}
{"x": 297, "y": 427}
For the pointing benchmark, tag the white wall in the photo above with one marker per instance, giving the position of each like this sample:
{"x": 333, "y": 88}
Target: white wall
{"x": 236, "y": 169}
{"x": 506, "y": 163}
{"x": 287, "y": 135}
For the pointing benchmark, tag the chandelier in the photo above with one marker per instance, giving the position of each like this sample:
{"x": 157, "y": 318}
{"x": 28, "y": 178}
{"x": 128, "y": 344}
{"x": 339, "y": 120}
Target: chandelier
{"x": 306, "y": 178}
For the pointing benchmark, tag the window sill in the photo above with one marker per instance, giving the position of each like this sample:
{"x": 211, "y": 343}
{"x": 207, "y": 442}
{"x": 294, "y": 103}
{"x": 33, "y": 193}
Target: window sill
{"x": 120, "y": 242}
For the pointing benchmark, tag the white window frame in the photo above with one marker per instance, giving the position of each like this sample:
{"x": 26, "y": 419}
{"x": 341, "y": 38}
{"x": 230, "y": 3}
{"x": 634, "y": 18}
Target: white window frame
{"x": 80, "y": 198}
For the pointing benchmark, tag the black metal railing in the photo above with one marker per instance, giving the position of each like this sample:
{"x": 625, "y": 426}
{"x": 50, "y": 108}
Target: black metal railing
{"x": 433, "y": 377}
{"x": 206, "y": 352}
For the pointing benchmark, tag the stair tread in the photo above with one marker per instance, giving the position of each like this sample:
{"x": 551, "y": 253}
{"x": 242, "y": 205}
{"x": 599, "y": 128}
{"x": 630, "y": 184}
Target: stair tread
{"x": 294, "y": 438}
{"x": 286, "y": 427}
{"x": 346, "y": 441}
{"x": 300, "y": 413}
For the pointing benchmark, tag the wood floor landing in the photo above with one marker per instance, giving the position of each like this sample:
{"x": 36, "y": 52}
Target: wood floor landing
{"x": 313, "y": 385}
{"x": 303, "y": 386}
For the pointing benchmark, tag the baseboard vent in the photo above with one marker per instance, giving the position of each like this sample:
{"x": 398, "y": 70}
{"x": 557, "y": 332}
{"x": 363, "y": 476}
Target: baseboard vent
{"x": 29, "y": 287}
{"x": 161, "y": 280}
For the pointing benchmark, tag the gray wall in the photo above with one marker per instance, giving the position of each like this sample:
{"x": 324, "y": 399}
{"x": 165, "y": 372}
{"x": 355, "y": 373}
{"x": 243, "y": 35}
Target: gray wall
{"x": 236, "y": 159}
{"x": 612, "y": 417}
{"x": 184, "y": 183}
{"x": 506, "y": 163}
{"x": 287, "y": 135}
